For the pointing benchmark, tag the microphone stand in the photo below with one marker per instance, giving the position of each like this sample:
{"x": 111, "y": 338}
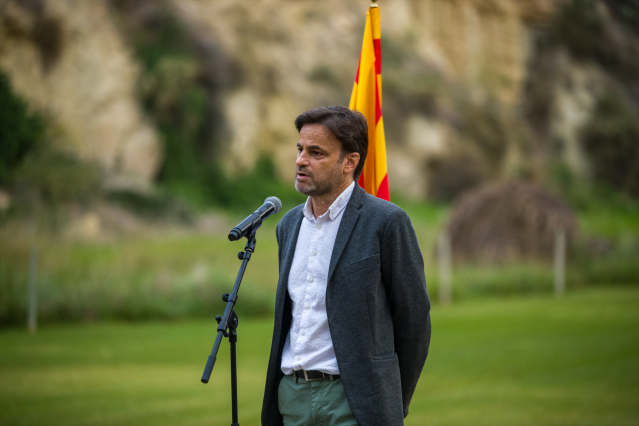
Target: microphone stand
{"x": 230, "y": 321}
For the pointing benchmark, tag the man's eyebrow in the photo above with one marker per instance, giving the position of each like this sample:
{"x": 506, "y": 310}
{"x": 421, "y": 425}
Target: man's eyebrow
{"x": 313, "y": 147}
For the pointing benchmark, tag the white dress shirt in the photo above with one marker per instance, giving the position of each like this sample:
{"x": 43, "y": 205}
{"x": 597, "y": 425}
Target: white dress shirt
{"x": 308, "y": 344}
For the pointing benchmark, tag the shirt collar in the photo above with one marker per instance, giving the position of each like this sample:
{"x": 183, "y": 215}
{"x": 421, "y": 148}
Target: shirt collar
{"x": 335, "y": 209}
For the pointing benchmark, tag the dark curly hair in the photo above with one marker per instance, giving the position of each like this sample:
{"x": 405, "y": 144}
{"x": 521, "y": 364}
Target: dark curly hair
{"x": 348, "y": 126}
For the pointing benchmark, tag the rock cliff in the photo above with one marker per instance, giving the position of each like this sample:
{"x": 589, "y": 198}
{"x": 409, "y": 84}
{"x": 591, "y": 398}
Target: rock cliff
{"x": 457, "y": 78}
{"x": 297, "y": 55}
{"x": 69, "y": 62}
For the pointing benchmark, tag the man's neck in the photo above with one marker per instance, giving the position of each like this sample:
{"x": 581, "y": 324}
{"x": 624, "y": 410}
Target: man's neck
{"x": 321, "y": 203}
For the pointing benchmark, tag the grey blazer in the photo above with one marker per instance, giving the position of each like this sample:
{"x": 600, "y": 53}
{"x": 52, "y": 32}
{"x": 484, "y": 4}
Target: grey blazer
{"x": 377, "y": 306}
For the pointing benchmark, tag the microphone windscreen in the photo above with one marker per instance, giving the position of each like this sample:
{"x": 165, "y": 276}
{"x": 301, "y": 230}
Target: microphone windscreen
{"x": 276, "y": 203}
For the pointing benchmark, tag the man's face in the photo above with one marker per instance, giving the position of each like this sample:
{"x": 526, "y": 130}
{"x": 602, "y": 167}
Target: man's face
{"x": 319, "y": 162}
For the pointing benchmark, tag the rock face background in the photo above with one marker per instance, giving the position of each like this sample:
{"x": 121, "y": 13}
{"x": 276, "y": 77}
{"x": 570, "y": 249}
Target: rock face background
{"x": 461, "y": 78}
{"x": 297, "y": 55}
{"x": 70, "y": 63}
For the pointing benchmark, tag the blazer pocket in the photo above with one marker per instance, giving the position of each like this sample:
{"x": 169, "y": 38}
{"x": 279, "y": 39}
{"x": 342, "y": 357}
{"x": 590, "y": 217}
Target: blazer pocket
{"x": 383, "y": 357}
{"x": 367, "y": 262}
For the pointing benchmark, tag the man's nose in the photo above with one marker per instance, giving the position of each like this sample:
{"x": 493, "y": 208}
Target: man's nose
{"x": 302, "y": 159}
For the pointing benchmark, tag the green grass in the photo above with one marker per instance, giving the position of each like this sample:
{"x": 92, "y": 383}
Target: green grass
{"x": 182, "y": 275}
{"x": 140, "y": 277}
{"x": 535, "y": 361}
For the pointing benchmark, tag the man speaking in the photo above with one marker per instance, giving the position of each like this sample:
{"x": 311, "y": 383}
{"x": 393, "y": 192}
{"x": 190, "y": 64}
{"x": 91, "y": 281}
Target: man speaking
{"x": 352, "y": 314}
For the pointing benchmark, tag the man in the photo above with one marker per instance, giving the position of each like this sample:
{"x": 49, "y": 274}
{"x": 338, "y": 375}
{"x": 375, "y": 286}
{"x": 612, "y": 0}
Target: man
{"x": 352, "y": 314}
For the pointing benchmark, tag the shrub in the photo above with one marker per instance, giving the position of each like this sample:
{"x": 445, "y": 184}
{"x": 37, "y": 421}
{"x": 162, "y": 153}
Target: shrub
{"x": 504, "y": 222}
{"x": 20, "y": 131}
{"x": 56, "y": 177}
{"x": 611, "y": 140}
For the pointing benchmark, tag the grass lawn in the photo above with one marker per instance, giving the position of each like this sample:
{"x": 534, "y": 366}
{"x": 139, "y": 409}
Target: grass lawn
{"x": 182, "y": 273}
{"x": 535, "y": 361}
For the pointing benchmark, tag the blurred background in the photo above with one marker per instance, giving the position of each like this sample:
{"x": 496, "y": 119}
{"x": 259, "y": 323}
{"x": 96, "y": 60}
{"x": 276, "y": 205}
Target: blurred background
{"x": 135, "y": 133}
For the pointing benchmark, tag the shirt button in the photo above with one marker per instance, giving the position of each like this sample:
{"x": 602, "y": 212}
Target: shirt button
{"x": 298, "y": 358}
{"x": 318, "y": 226}
{"x": 308, "y": 306}
{"x": 314, "y": 252}
{"x": 310, "y": 279}
{"x": 303, "y": 333}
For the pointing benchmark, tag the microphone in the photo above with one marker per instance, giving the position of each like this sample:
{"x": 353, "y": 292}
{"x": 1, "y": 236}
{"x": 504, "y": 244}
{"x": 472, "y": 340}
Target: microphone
{"x": 254, "y": 221}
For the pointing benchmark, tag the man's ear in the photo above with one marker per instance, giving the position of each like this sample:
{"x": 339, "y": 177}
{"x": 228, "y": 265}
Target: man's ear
{"x": 351, "y": 160}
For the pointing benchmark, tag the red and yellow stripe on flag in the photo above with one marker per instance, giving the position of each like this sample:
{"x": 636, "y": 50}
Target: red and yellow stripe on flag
{"x": 367, "y": 99}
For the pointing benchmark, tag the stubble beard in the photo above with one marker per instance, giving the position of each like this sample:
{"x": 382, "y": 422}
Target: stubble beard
{"x": 322, "y": 185}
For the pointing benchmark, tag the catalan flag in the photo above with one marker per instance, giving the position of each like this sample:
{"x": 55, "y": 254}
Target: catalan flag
{"x": 367, "y": 99}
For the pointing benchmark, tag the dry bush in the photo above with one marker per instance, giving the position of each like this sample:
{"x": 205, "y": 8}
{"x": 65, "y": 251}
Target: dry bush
{"x": 507, "y": 221}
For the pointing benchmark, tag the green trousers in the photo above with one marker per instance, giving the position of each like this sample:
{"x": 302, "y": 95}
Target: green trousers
{"x": 315, "y": 403}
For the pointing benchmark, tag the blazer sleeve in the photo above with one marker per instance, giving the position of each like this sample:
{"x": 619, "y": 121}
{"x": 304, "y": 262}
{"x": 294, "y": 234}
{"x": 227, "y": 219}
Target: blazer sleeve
{"x": 405, "y": 282}
{"x": 278, "y": 232}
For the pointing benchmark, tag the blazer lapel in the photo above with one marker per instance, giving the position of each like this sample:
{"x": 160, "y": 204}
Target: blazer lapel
{"x": 289, "y": 253}
{"x": 351, "y": 214}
